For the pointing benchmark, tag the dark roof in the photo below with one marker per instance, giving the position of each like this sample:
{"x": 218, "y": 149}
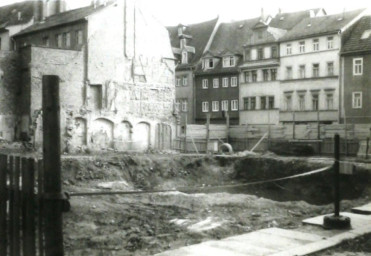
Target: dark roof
{"x": 9, "y": 13}
{"x": 288, "y": 20}
{"x": 354, "y": 42}
{"x": 320, "y": 25}
{"x": 200, "y": 34}
{"x": 61, "y": 18}
{"x": 232, "y": 36}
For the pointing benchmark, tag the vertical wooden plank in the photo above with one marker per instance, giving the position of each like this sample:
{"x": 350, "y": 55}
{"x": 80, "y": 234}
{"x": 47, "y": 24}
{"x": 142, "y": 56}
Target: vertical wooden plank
{"x": 16, "y": 248}
{"x": 3, "y": 204}
{"x": 40, "y": 191}
{"x": 52, "y": 166}
{"x": 28, "y": 208}
{"x": 11, "y": 171}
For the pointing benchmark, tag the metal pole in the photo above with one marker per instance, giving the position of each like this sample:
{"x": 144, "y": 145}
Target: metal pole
{"x": 336, "y": 175}
{"x": 52, "y": 166}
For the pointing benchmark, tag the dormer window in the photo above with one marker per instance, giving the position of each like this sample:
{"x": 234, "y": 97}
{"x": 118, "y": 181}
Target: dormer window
{"x": 228, "y": 61}
{"x": 184, "y": 57}
{"x": 208, "y": 63}
{"x": 366, "y": 34}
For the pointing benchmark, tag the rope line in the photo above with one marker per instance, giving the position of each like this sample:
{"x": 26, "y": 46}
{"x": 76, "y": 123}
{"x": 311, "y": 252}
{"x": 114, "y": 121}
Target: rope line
{"x": 194, "y": 189}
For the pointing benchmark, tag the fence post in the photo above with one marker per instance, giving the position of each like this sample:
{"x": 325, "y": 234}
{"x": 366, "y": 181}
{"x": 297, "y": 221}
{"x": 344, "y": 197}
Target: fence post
{"x": 52, "y": 166}
{"x": 16, "y": 226}
{"x": 3, "y": 199}
{"x": 207, "y": 132}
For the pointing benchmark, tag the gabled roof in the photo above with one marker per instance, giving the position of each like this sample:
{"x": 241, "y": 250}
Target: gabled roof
{"x": 355, "y": 43}
{"x": 9, "y": 13}
{"x": 200, "y": 34}
{"x": 62, "y": 18}
{"x": 288, "y": 20}
{"x": 316, "y": 26}
{"x": 232, "y": 36}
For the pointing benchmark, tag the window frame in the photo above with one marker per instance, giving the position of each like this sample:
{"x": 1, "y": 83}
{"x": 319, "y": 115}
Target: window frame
{"x": 205, "y": 106}
{"x": 185, "y": 81}
{"x": 356, "y": 106}
{"x": 288, "y": 49}
{"x": 234, "y": 81}
{"x": 205, "y": 83}
{"x": 225, "y": 82}
{"x": 215, "y": 106}
{"x": 288, "y": 72}
{"x": 315, "y": 70}
{"x": 316, "y": 44}
{"x": 302, "y": 47}
{"x": 184, "y": 105}
{"x": 355, "y": 71}
{"x": 330, "y": 64}
{"x": 234, "y": 102}
{"x": 302, "y": 71}
{"x": 330, "y": 42}
{"x": 215, "y": 85}
{"x": 224, "y": 105}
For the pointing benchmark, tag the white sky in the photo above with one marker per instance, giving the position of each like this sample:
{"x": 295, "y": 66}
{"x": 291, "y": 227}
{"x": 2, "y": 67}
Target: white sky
{"x": 173, "y": 12}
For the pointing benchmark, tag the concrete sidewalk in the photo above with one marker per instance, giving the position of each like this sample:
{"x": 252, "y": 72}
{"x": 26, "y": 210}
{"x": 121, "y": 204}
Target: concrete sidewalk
{"x": 279, "y": 242}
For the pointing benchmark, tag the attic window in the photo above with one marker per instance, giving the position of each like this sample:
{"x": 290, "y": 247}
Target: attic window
{"x": 309, "y": 25}
{"x": 240, "y": 26}
{"x": 366, "y": 34}
{"x": 282, "y": 18}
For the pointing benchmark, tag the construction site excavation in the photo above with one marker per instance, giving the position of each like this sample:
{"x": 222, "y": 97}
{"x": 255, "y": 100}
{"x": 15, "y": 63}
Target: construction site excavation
{"x": 218, "y": 197}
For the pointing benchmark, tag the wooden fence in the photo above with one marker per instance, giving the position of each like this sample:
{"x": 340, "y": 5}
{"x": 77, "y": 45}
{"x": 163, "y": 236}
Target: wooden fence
{"x": 21, "y": 225}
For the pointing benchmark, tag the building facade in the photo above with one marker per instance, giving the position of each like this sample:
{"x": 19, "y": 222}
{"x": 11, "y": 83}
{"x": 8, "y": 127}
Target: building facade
{"x": 116, "y": 91}
{"x": 309, "y": 69}
{"x": 188, "y": 43}
{"x": 356, "y": 80}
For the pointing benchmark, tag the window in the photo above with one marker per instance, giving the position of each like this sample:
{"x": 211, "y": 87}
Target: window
{"x": 234, "y": 105}
{"x": 288, "y": 102}
{"x": 315, "y": 101}
{"x": 177, "y": 81}
{"x": 215, "y": 106}
{"x": 263, "y": 102}
{"x": 46, "y": 41}
{"x": 246, "y": 103}
{"x": 357, "y": 99}
{"x": 79, "y": 37}
{"x": 184, "y": 57}
{"x": 205, "y": 106}
{"x": 265, "y": 74}
{"x": 274, "y": 52}
{"x": 273, "y": 74}
{"x": 66, "y": 40}
{"x": 288, "y": 72}
{"x": 228, "y": 61}
{"x": 234, "y": 81}
{"x": 270, "y": 102}
{"x": 184, "y": 105}
{"x": 247, "y": 77}
{"x": 330, "y": 101}
{"x": 252, "y": 103}
{"x": 315, "y": 44}
{"x": 288, "y": 49}
{"x": 247, "y": 54}
{"x": 225, "y": 82}
{"x": 357, "y": 66}
{"x": 254, "y": 75}
{"x": 330, "y": 42}
{"x": 216, "y": 83}
{"x": 315, "y": 70}
{"x": 302, "y": 102}
{"x": 330, "y": 68}
{"x": 260, "y": 54}
{"x": 302, "y": 71}
{"x": 302, "y": 46}
{"x": 177, "y": 105}
{"x": 224, "y": 105}
{"x": 205, "y": 84}
{"x": 58, "y": 39}
{"x": 210, "y": 63}
{"x": 185, "y": 81}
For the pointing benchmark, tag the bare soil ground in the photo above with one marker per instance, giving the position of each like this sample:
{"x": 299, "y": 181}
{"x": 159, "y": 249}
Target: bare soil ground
{"x": 146, "y": 224}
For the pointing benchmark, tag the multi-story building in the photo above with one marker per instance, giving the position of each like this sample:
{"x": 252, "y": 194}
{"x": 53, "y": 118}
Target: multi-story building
{"x": 259, "y": 80}
{"x": 116, "y": 70}
{"x": 188, "y": 43}
{"x": 217, "y": 76}
{"x": 356, "y": 78}
{"x": 309, "y": 68}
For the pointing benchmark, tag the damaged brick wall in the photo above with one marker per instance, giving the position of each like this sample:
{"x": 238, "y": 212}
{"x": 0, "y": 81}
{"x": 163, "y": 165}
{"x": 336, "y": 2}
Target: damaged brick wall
{"x": 9, "y": 90}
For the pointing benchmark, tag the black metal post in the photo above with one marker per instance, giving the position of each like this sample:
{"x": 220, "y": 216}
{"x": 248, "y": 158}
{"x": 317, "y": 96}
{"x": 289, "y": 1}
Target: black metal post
{"x": 336, "y": 175}
{"x": 52, "y": 167}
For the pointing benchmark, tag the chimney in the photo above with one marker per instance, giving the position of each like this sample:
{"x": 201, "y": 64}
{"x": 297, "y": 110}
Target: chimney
{"x": 37, "y": 10}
